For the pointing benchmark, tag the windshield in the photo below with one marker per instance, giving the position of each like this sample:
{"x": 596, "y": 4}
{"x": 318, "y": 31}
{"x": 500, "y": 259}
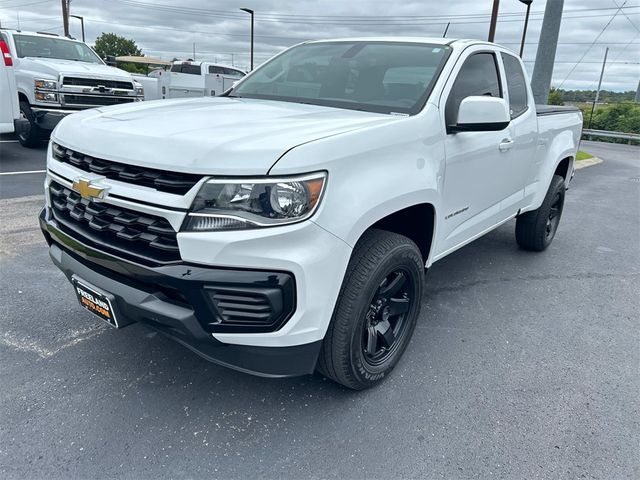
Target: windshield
{"x": 384, "y": 77}
{"x": 45, "y": 47}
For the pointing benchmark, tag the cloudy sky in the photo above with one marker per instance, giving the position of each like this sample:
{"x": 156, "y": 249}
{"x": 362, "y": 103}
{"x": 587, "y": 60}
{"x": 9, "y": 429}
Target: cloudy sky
{"x": 169, "y": 28}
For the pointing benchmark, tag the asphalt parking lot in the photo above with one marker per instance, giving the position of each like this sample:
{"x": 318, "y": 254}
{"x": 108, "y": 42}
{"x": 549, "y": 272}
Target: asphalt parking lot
{"x": 523, "y": 365}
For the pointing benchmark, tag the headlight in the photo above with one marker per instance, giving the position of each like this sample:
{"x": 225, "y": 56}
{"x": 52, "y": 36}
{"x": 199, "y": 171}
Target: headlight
{"x": 237, "y": 204}
{"x": 45, "y": 84}
{"x": 139, "y": 89}
{"x": 47, "y": 97}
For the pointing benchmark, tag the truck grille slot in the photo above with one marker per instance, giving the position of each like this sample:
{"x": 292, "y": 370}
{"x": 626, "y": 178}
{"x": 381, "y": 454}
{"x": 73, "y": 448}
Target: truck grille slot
{"x": 126, "y": 232}
{"x": 171, "y": 182}
{"x": 246, "y": 307}
{"x": 94, "y": 100}
{"x": 96, "y": 82}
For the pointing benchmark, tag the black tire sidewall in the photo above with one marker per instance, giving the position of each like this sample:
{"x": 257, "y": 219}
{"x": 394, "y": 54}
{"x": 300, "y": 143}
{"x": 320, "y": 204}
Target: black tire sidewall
{"x": 557, "y": 186}
{"x": 402, "y": 257}
{"x": 33, "y": 136}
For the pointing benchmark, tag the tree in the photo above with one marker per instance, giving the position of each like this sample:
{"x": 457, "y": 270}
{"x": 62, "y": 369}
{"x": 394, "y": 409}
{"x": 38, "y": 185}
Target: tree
{"x": 112, "y": 44}
{"x": 555, "y": 97}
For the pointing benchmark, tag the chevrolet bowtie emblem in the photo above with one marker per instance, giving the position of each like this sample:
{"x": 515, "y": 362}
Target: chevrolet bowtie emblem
{"x": 88, "y": 191}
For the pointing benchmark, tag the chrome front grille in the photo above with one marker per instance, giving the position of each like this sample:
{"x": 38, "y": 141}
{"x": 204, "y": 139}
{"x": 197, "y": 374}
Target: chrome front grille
{"x": 161, "y": 180}
{"x": 97, "y": 82}
{"x": 127, "y": 233}
{"x": 77, "y": 92}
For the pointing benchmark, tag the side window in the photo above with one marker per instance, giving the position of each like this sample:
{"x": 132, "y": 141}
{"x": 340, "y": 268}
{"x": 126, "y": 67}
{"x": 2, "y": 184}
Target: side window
{"x": 478, "y": 76}
{"x": 233, "y": 73}
{"x": 516, "y": 84}
{"x": 214, "y": 69}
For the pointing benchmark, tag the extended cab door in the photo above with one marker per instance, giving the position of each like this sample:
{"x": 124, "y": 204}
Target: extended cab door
{"x": 479, "y": 173}
{"x": 523, "y": 131}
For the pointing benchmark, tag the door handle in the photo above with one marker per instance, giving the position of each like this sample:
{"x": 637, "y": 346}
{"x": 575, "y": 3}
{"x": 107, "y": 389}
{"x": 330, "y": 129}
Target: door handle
{"x": 505, "y": 144}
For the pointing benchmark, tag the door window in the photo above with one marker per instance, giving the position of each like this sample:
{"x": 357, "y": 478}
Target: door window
{"x": 516, "y": 84}
{"x": 478, "y": 76}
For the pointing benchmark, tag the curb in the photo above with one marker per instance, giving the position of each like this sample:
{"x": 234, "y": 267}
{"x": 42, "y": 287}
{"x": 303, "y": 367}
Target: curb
{"x": 588, "y": 162}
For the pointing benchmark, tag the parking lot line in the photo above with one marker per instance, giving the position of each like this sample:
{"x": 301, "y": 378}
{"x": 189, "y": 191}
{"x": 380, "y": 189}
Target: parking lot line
{"x": 22, "y": 172}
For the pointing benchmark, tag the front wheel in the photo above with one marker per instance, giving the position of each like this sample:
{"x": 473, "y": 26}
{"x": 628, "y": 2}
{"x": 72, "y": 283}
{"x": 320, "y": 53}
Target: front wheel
{"x": 536, "y": 229}
{"x": 376, "y": 311}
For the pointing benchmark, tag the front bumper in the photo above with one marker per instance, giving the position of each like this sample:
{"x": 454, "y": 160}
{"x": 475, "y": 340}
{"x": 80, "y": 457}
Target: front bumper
{"x": 155, "y": 296}
{"x": 47, "y": 118}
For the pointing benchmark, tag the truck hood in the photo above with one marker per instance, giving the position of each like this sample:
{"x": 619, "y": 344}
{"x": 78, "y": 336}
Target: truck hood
{"x": 211, "y": 136}
{"x": 55, "y": 66}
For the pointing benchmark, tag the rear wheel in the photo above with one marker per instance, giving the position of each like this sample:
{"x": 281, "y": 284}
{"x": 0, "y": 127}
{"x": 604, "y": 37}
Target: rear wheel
{"x": 30, "y": 135}
{"x": 535, "y": 230}
{"x": 376, "y": 311}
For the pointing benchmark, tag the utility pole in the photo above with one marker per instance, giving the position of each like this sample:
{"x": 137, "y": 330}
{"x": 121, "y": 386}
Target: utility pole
{"x": 494, "y": 20}
{"x": 65, "y": 16}
{"x": 546, "y": 56}
{"x": 194, "y": 51}
{"x": 637, "y": 99}
{"x": 595, "y": 100}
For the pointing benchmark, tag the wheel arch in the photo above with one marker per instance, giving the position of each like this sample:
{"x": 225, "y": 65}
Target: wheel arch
{"x": 416, "y": 222}
{"x": 563, "y": 168}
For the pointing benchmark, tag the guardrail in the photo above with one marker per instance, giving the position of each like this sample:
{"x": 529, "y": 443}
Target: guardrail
{"x": 630, "y": 137}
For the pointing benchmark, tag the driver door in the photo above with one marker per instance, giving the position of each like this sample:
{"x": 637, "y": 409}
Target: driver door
{"x": 474, "y": 180}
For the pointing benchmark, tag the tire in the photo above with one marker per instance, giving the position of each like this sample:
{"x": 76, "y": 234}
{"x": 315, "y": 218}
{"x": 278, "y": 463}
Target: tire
{"x": 376, "y": 310}
{"x": 32, "y": 136}
{"x": 535, "y": 230}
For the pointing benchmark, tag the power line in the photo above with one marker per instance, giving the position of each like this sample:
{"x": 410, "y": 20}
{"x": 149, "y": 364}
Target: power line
{"x": 626, "y": 16}
{"x": 347, "y": 21}
{"x": 24, "y": 5}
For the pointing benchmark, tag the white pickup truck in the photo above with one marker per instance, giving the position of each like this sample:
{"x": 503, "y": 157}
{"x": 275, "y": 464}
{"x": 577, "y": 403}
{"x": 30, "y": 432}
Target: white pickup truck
{"x": 287, "y": 226}
{"x": 56, "y": 76}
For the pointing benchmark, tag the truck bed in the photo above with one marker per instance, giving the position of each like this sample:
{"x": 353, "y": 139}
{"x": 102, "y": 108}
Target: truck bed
{"x": 542, "y": 110}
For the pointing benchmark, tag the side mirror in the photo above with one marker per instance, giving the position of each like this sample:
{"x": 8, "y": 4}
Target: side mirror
{"x": 481, "y": 114}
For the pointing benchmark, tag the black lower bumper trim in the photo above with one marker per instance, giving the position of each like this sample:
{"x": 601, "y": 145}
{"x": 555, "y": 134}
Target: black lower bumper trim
{"x": 224, "y": 300}
{"x": 157, "y": 307}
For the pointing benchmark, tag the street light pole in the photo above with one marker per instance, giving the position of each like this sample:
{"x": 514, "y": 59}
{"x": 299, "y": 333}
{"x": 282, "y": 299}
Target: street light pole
{"x": 494, "y": 20}
{"x": 81, "y": 23}
{"x": 526, "y": 22}
{"x": 250, "y": 12}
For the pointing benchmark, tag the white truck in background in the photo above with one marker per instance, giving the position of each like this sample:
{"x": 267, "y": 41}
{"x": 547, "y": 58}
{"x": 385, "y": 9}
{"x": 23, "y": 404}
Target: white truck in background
{"x": 198, "y": 79}
{"x": 9, "y": 110}
{"x": 57, "y": 76}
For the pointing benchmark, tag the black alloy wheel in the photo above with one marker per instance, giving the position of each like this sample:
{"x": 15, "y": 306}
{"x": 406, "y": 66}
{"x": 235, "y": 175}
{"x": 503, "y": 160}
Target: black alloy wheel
{"x": 385, "y": 326}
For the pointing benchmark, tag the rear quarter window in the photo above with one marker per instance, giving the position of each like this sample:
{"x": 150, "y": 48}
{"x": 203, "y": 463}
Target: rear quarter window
{"x": 516, "y": 85}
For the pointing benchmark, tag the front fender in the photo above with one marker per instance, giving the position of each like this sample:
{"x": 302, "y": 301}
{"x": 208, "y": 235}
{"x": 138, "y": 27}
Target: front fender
{"x": 373, "y": 172}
